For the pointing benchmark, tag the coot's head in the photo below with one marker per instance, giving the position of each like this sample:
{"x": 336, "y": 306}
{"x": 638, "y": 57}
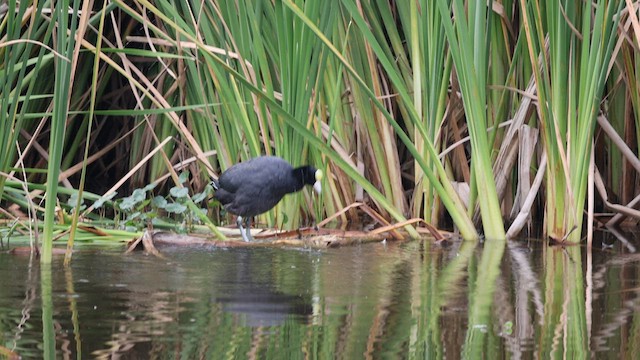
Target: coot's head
{"x": 311, "y": 176}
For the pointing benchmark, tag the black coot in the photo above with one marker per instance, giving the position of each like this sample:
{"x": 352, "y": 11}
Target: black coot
{"x": 255, "y": 186}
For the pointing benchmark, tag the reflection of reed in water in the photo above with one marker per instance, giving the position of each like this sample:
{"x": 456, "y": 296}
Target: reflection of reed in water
{"x": 526, "y": 290}
{"x": 615, "y": 321}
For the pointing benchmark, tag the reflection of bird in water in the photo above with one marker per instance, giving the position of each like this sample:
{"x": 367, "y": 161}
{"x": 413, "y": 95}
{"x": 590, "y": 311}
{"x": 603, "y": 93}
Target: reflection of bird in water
{"x": 245, "y": 290}
{"x": 255, "y": 186}
{"x": 263, "y": 307}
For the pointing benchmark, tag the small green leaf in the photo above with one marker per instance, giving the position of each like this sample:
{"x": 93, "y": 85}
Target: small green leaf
{"x": 139, "y": 195}
{"x": 104, "y": 198}
{"x": 159, "y": 202}
{"x": 183, "y": 177}
{"x": 149, "y": 187}
{"x": 130, "y": 202}
{"x": 199, "y": 197}
{"x": 176, "y": 208}
{"x": 127, "y": 204}
{"x": 177, "y": 192}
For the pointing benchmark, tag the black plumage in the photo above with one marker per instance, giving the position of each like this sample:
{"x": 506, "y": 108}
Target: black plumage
{"x": 255, "y": 186}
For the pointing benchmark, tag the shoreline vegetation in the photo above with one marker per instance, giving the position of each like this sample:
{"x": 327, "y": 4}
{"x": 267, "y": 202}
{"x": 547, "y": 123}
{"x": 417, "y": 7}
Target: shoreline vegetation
{"x": 425, "y": 116}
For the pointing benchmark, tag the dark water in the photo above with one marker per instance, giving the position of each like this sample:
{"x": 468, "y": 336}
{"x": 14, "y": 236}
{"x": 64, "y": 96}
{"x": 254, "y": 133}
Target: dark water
{"x": 413, "y": 300}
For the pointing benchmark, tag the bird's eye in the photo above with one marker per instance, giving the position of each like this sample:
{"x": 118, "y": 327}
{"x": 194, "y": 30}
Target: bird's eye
{"x": 318, "y": 175}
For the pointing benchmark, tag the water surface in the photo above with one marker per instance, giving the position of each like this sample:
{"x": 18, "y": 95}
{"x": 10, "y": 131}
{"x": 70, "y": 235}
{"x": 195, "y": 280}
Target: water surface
{"x": 410, "y": 300}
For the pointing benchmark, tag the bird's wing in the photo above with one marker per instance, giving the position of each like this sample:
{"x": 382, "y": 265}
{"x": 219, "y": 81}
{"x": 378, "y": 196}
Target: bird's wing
{"x": 254, "y": 172}
{"x": 232, "y": 178}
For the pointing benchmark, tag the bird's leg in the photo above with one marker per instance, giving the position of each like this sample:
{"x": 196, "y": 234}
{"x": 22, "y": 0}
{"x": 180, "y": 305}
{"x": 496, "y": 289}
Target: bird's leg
{"x": 246, "y": 231}
{"x": 239, "y": 223}
{"x": 247, "y": 223}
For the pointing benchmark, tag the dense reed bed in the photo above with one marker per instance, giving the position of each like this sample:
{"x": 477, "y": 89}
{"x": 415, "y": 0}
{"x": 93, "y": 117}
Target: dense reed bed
{"x": 471, "y": 117}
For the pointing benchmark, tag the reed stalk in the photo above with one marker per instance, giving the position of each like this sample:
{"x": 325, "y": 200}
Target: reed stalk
{"x": 470, "y": 44}
{"x": 569, "y": 84}
{"x": 65, "y": 44}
